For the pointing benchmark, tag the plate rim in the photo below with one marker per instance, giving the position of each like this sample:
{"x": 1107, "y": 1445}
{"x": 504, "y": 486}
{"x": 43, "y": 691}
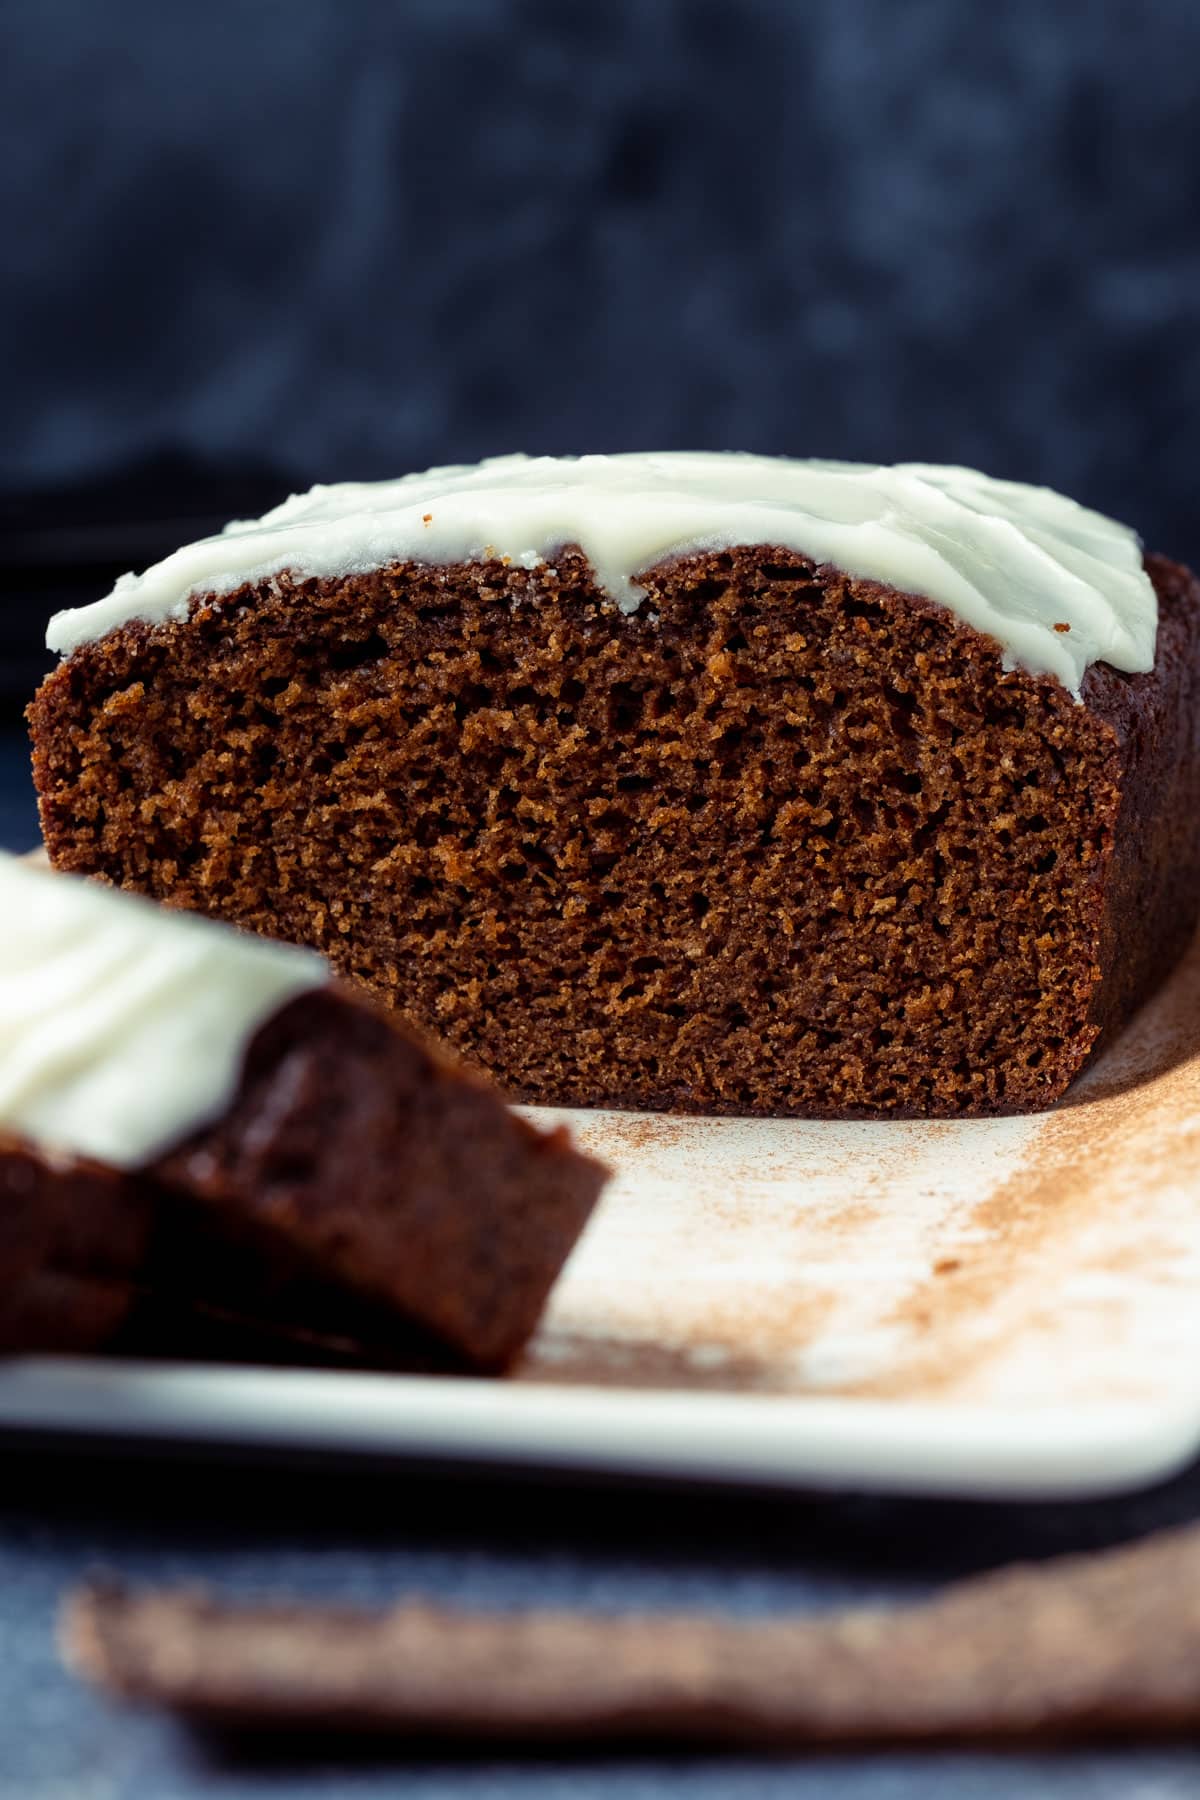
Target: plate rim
{"x": 726, "y": 1439}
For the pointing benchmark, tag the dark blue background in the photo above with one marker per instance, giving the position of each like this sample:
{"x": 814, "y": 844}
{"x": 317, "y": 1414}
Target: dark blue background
{"x": 333, "y": 238}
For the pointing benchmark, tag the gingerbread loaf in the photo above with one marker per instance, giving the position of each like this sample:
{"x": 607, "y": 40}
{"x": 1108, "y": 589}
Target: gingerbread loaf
{"x": 702, "y": 783}
{"x": 208, "y": 1141}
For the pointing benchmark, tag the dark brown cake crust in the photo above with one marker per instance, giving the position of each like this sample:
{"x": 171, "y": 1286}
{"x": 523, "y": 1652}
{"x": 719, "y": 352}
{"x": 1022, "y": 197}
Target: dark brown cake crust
{"x": 362, "y": 1190}
{"x": 74, "y": 1237}
{"x": 781, "y": 841}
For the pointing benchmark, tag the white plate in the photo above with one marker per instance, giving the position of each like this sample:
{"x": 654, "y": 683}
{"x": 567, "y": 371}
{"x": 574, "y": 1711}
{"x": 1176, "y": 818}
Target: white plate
{"x": 997, "y": 1307}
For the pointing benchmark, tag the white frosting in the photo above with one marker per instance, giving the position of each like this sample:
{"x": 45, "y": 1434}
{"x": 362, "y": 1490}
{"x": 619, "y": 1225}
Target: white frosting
{"x": 1012, "y": 560}
{"x": 122, "y": 1023}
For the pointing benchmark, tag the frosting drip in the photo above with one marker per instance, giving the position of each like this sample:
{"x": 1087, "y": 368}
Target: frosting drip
{"x": 1059, "y": 586}
{"x": 123, "y": 1024}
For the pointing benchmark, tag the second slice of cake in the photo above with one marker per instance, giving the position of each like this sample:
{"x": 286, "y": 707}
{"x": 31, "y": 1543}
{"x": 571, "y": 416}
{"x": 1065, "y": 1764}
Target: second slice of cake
{"x": 204, "y": 1119}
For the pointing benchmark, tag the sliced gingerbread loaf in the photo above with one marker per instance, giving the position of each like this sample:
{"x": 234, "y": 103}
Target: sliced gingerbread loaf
{"x": 205, "y": 1133}
{"x": 705, "y": 783}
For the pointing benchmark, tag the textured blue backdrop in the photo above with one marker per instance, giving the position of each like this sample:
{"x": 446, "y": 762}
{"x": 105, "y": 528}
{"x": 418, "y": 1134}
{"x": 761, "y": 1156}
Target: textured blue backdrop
{"x": 352, "y": 238}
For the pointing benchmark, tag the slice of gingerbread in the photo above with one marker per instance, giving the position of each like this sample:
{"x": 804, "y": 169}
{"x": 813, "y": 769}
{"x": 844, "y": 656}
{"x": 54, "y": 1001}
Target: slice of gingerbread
{"x": 290, "y": 1162}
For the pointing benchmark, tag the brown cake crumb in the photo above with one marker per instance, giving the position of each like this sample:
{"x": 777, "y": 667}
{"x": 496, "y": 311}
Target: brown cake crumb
{"x": 780, "y": 841}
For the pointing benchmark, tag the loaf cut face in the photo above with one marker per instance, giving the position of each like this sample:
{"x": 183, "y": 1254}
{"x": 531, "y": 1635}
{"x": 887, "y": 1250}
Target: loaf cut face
{"x": 778, "y": 841}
